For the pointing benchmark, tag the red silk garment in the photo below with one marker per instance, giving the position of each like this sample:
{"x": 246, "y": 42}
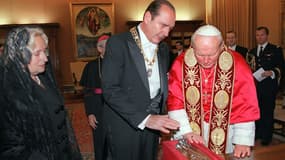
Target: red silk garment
{"x": 169, "y": 151}
{"x": 245, "y": 105}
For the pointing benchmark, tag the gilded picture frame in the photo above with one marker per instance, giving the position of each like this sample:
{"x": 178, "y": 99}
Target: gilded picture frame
{"x": 89, "y": 21}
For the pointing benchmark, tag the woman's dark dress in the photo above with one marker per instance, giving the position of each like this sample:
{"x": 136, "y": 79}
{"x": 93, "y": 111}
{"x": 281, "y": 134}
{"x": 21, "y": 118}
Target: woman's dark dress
{"x": 34, "y": 123}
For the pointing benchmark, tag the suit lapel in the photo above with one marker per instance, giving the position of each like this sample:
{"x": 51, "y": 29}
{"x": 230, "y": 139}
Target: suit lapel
{"x": 238, "y": 48}
{"x": 141, "y": 68}
{"x": 267, "y": 47}
{"x": 162, "y": 70}
{"x": 160, "y": 66}
{"x": 255, "y": 52}
{"x": 139, "y": 61}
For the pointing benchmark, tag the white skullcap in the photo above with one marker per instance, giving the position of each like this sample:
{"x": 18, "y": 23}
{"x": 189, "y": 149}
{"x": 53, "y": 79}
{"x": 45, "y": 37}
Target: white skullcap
{"x": 208, "y": 30}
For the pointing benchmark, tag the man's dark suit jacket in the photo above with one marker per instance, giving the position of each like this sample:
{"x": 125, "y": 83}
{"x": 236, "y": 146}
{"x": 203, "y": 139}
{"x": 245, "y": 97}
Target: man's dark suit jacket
{"x": 242, "y": 50}
{"x": 127, "y": 96}
{"x": 270, "y": 59}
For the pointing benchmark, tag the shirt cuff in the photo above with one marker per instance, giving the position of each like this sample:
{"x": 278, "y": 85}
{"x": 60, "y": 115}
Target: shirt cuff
{"x": 180, "y": 116}
{"x": 273, "y": 75}
{"x": 244, "y": 133}
{"x": 142, "y": 124}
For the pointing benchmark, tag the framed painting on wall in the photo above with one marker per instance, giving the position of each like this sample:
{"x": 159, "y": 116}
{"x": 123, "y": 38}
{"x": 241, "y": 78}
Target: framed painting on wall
{"x": 89, "y": 21}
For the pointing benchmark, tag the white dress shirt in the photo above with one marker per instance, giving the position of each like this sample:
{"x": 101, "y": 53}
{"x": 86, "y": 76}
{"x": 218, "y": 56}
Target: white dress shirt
{"x": 149, "y": 49}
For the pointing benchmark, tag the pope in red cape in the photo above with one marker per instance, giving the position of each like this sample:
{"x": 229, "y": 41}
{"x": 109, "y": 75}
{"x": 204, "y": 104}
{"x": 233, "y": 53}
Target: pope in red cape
{"x": 212, "y": 94}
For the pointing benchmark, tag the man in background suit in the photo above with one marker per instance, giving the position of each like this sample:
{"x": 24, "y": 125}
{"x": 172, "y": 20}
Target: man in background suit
{"x": 134, "y": 82}
{"x": 268, "y": 57}
{"x": 231, "y": 43}
{"x": 179, "y": 47}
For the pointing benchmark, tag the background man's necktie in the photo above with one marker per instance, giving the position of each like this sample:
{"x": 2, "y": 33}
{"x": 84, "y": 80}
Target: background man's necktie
{"x": 260, "y": 51}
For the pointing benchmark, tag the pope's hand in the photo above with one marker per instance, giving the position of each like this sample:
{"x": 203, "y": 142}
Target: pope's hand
{"x": 241, "y": 151}
{"x": 194, "y": 138}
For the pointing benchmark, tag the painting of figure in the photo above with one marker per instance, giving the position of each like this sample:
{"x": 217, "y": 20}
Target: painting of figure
{"x": 90, "y": 21}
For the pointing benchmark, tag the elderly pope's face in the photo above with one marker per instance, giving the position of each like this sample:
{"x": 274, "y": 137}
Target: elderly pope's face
{"x": 207, "y": 50}
{"x": 39, "y": 58}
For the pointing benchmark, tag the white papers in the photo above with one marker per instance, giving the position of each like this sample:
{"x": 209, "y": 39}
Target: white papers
{"x": 258, "y": 74}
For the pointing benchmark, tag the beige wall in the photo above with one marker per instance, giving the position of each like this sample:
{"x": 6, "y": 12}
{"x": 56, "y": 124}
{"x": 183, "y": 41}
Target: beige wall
{"x": 132, "y": 10}
{"x": 269, "y": 14}
{"x": 57, "y": 11}
{"x": 43, "y": 11}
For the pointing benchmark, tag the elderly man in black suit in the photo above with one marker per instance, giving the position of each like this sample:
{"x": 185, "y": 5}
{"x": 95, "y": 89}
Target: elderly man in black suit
{"x": 231, "y": 43}
{"x": 134, "y": 82}
{"x": 268, "y": 60}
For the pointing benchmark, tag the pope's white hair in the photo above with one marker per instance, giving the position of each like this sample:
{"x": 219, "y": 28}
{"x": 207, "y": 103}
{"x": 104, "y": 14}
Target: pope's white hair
{"x": 207, "y": 30}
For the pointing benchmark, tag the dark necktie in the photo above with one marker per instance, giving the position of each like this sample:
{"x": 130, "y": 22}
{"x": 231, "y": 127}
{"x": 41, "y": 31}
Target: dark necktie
{"x": 260, "y": 51}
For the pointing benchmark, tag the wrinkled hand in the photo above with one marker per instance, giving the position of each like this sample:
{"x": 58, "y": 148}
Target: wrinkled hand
{"x": 92, "y": 121}
{"x": 194, "y": 138}
{"x": 241, "y": 151}
{"x": 162, "y": 123}
{"x": 267, "y": 73}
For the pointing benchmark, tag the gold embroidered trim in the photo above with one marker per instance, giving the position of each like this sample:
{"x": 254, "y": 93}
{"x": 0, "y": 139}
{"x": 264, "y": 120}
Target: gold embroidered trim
{"x": 221, "y": 98}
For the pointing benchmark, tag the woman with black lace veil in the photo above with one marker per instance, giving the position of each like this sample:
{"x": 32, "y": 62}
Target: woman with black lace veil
{"x": 33, "y": 120}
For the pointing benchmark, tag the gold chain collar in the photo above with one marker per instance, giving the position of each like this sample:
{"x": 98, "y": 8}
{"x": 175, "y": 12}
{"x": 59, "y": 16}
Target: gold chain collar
{"x": 149, "y": 62}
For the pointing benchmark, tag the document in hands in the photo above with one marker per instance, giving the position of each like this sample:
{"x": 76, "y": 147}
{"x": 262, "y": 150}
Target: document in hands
{"x": 258, "y": 74}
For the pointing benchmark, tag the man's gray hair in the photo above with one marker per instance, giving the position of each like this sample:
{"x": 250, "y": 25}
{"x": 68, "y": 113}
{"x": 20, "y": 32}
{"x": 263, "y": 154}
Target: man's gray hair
{"x": 207, "y": 30}
{"x": 101, "y": 43}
